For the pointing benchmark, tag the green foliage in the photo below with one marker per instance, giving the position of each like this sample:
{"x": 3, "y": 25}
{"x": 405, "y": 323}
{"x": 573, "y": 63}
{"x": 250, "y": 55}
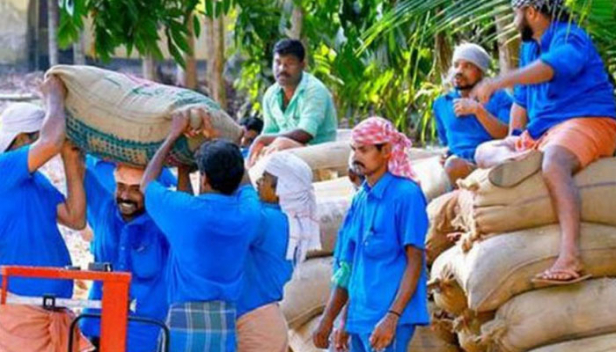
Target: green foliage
{"x": 133, "y": 23}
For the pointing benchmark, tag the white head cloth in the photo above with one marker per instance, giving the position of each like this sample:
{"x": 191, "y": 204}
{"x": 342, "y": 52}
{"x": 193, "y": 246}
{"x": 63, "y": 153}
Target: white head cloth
{"x": 297, "y": 200}
{"x": 472, "y": 53}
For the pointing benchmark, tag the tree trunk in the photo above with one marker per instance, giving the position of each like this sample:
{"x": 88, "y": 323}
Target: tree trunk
{"x": 79, "y": 57}
{"x": 187, "y": 77}
{"x": 149, "y": 68}
{"x": 507, "y": 49}
{"x": 52, "y": 13}
{"x": 297, "y": 23}
{"x": 444, "y": 53}
{"x": 208, "y": 33}
{"x": 218, "y": 62}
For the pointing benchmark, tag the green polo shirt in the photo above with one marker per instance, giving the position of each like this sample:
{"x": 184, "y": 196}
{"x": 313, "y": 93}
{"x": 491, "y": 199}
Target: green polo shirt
{"x": 311, "y": 109}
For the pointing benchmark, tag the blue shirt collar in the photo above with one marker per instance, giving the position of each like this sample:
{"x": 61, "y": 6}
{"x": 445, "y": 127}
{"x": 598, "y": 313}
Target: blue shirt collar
{"x": 453, "y": 94}
{"x": 381, "y": 185}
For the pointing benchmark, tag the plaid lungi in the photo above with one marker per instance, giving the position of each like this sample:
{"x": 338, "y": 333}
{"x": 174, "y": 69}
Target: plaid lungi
{"x": 202, "y": 327}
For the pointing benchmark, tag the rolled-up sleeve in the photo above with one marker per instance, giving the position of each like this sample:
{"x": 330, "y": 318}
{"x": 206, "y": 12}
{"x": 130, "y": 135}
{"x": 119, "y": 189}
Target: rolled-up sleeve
{"x": 568, "y": 54}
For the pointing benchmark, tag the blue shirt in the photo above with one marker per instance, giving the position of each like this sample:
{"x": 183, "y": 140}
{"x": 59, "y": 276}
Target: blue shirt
{"x": 465, "y": 133}
{"x": 138, "y": 247}
{"x": 209, "y": 237}
{"x": 267, "y": 270}
{"x": 384, "y": 220}
{"x": 580, "y": 86}
{"x": 29, "y": 232}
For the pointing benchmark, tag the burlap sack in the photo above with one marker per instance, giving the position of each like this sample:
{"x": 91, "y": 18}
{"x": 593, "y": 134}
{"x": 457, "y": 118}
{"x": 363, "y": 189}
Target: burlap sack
{"x": 336, "y": 188}
{"x": 331, "y": 214}
{"x": 300, "y": 338}
{"x": 442, "y": 212}
{"x": 553, "y": 315}
{"x": 602, "y": 343}
{"x": 488, "y": 209}
{"x": 501, "y": 267}
{"x": 468, "y": 329}
{"x": 306, "y": 295}
{"x": 125, "y": 119}
{"x": 327, "y": 160}
{"x": 447, "y": 293}
{"x": 433, "y": 179}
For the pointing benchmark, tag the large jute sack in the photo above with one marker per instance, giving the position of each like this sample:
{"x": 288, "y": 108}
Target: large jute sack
{"x": 339, "y": 187}
{"x": 331, "y": 212}
{"x": 602, "y": 343}
{"x": 447, "y": 292}
{"x": 488, "y": 209}
{"x": 501, "y": 267}
{"x": 442, "y": 212}
{"x": 300, "y": 338}
{"x": 468, "y": 330}
{"x": 306, "y": 295}
{"x": 125, "y": 119}
{"x": 327, "y": 160}
{"x": 553, "y": 315}
{"x": 433, "y": 179}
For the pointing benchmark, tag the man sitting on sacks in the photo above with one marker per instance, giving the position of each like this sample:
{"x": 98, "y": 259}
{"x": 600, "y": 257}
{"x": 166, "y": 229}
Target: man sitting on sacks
{"x": 564, "y": 101}
{"x": 298, "y": 109}
{"x": 30, "y": 211}
{"x": 381, "y": 264}
{"x": 464, "y": 123}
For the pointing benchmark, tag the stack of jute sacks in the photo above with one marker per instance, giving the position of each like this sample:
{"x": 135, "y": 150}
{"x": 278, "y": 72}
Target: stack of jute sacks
{"x": 484, "y": 281}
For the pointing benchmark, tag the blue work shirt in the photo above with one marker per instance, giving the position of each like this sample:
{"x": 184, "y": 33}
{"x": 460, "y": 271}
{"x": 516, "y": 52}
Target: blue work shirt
{"x": 29, "y": 232}
{"x": 209, "y": 236}
{"x": 580, "y": 86}
{"x": 267, "y": 270}
{"x": 384, "y": 220}
{"x": 465, "y": 133}
{"x": 138, "y": 247}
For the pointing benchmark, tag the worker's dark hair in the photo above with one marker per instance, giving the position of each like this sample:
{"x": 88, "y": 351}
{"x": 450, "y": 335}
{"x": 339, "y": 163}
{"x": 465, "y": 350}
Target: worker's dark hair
{"x": 222, "y": 162}
{"x": 290, "y": 47}
{"x": 252, "y": 123}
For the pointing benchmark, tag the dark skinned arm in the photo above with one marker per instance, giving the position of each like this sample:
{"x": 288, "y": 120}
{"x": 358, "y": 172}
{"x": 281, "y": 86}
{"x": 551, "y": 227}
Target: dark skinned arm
{"x": 337, "y": 300}
{"x": 385, "y": 331}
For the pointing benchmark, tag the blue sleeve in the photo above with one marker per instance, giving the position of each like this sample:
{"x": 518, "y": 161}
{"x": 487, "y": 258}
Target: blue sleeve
{"x": 96, "y": 195}
{"x": 440, "y": 127}
{"x": 412, "y": 218}
{"x": 14, "y": 166}
{"x": 167, "y": 178}
{"x": 502, "y": 107}
{"x": 344, "y": 249}
{"x": 569, "y": 53}
{"x": 165, "y": 207}
{"x": 520, "y": 95}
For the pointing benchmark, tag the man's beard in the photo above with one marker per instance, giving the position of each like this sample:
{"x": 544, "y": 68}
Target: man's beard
{"x": 526, "y": 32}
{"x": 465, "y": 87}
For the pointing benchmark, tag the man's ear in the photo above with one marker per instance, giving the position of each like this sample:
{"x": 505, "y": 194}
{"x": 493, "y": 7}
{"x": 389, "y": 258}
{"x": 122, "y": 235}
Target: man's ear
{"x": 387, "y": 150}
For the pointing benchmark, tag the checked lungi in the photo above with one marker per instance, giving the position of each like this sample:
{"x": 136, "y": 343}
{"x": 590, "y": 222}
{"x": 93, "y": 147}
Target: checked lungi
{"x": 202, "y": 327}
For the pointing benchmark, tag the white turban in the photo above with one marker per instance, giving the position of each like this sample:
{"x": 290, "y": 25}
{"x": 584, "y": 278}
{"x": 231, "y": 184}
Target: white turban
{"x": 472, "y": 53}
{"x": 19, "y": 118}
{"x": 297, "y": 200}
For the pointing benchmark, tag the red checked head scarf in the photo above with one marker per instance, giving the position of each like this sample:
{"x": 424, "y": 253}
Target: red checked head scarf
{"x": 377, "y": 130}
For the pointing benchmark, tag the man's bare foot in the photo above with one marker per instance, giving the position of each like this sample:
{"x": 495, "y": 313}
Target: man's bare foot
{"x": 566, "y": 270}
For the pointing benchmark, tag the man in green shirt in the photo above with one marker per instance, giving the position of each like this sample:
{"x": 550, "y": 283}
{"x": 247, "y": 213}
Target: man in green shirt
{"x": 298, "y": 109}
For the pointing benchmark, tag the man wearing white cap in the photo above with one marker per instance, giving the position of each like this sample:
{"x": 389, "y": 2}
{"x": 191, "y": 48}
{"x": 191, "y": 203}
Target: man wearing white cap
{"x": 126, "y": 236}
{"x": 30, "y": 208}
{"x": 462, "y": 123}
{"x": 288, "y": 230}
